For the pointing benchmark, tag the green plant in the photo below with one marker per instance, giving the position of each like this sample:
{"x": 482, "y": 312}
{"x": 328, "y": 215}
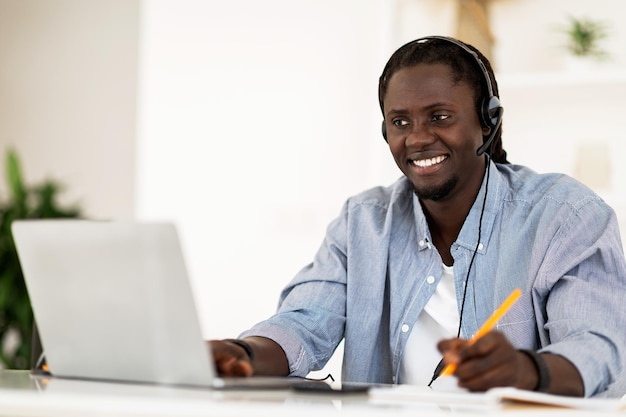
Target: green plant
{"x": 16, "y": 317}
{"x": 584, "y": 36}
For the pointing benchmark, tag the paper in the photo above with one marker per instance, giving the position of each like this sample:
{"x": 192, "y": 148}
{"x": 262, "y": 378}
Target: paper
{"x": 597, "y": 404}
{"x": 495, "y": 397}
{"x": 449, "y": 397}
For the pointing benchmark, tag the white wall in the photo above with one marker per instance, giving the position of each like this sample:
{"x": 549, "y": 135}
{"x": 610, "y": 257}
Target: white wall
{"x": 256, "y": 121}
{"x": 68, "y": 91}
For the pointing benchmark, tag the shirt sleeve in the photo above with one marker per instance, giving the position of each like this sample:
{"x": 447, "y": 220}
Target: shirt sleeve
{"x": 585, "y": 279}
{"x": 310, "y": 320}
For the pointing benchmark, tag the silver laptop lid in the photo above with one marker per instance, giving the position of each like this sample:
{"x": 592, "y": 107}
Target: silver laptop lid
{"x": 112, "y": 301}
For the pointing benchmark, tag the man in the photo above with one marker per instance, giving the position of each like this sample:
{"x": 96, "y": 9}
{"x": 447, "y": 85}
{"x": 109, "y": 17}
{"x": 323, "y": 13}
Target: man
{"x": 431, "y": 256}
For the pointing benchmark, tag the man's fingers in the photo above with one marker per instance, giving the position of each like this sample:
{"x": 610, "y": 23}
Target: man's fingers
{"x": 228, "y": 365}
{"x": 230, "y": 360}
{"x": 453, "y": 345}
{"x": 489, "y": 362}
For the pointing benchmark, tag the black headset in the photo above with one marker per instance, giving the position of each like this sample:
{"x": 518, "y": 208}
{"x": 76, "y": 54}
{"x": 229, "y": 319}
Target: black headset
{"x": 491, "y": 110}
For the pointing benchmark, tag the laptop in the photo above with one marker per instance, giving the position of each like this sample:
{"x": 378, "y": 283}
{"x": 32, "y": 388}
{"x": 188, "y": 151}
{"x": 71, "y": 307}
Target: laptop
{"x": 113, "y": 302}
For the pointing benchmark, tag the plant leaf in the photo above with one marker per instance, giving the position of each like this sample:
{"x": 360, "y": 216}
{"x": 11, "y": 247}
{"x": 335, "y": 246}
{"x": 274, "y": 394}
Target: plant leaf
{"x": 15, "y": 182}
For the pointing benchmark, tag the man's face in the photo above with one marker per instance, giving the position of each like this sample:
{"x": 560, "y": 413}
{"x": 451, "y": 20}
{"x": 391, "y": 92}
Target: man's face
{"x": 433, "y": 131}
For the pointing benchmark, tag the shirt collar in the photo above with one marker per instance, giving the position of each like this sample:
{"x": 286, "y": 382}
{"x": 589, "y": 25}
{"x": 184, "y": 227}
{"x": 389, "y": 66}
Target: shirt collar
{"x": 469, "y": 232}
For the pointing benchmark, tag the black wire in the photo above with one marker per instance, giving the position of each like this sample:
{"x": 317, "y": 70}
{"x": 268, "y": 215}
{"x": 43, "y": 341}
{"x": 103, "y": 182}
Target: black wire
{"x": 329, "y": 376}
{"x": 440, "y": 365}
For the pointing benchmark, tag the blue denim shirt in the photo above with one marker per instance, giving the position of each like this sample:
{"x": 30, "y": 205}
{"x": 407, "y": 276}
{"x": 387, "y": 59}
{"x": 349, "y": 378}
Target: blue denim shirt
{"x": 546, "y": 234}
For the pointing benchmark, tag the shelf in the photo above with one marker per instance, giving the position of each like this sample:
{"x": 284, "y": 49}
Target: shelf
{"x": 562, "y": 78}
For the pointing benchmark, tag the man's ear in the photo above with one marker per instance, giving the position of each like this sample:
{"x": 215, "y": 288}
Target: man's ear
{"x": 486, "y": 131}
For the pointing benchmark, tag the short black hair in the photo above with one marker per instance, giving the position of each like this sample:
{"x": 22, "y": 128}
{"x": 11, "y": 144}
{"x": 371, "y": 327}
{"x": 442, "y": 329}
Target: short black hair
{"x": 463, "y": 66}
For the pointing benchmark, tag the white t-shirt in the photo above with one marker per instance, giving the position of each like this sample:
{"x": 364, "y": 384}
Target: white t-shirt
{"x": 439, "y": 320}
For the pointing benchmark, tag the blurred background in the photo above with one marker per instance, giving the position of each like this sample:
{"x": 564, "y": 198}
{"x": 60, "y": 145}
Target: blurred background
{"x": 248, "y": 123}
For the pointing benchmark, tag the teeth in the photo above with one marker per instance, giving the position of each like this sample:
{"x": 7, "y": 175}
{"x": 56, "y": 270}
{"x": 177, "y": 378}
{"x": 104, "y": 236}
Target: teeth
{"x": 429, "y": 162}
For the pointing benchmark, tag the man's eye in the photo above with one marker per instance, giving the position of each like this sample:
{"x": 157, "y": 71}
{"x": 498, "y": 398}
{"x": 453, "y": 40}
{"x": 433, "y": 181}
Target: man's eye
{"x": 400, "y": 122}
{"x": 439, "y": 117}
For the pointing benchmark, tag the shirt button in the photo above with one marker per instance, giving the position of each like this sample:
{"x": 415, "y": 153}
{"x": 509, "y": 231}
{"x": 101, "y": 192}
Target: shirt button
{"x": 405, "y": 328}
{"x": 480, "y": 246}
{"x": 430, "y": 279}
{"x": 421, "y": 243}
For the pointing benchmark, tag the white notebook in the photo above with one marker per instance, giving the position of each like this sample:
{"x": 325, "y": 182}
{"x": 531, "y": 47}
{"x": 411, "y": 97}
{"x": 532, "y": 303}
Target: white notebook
{"x": 493, "y": 398}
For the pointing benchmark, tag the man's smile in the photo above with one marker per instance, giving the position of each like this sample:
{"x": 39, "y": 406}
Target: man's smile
{"x": 423, "y": 163}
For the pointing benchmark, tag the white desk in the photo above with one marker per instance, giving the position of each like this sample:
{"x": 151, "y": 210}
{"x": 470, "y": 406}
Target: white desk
{"x": 24, "y": 395}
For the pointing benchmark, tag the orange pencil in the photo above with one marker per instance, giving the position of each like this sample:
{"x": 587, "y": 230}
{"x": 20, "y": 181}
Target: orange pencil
{"x": 488, "y": 325}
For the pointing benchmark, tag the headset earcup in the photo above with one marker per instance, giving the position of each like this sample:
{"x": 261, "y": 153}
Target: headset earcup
{"x": 384, "y": 131}
{"x": 490, "y": 113}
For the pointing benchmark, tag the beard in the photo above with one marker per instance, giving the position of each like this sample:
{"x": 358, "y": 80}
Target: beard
{"x": 436, "y": 193}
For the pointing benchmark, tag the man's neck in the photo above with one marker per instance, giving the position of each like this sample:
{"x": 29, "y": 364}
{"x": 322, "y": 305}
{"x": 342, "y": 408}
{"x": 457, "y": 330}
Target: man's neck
{"x": 445, "y": 220}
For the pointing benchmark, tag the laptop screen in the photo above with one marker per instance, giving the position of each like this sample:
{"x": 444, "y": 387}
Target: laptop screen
{"x": 112, "y": 301}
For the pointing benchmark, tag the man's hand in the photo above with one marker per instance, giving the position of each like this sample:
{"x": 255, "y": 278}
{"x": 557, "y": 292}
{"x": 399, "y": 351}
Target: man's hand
{"x": 493, "y": 362}
{"x": 490, "y": 362}
{"x": 233, "y": 360}
{"x": 230, "y": 359}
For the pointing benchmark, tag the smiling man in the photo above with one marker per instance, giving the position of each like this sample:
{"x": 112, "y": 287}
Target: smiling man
{"x": 407, "y": 273}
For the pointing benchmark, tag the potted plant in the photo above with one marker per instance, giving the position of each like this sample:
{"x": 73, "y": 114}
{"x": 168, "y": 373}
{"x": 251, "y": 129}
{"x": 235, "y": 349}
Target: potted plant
{"x": 584, "y": 38}
{"x": 16, "y": 317}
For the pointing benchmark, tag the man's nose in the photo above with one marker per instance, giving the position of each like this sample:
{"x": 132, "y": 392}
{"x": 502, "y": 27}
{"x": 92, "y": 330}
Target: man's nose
{"x": 420, "y": 135}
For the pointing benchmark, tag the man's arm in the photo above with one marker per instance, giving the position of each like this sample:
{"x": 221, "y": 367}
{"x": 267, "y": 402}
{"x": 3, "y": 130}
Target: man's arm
{"x": 231, "y": 359}
{"x": 492, "y": 361}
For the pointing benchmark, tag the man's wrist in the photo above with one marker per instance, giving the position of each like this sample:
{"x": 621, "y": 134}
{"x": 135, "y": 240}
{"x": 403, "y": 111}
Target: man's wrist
{"x": 543, "y": 372}
{"x": 244, "y": 345}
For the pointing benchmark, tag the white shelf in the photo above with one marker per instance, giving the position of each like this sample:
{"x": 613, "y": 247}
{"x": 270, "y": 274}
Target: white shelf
{"x": 562, "y": 78}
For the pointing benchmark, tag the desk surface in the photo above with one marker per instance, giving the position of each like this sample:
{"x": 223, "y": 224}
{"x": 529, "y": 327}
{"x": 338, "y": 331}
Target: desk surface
{"x": 22, "y": 394}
